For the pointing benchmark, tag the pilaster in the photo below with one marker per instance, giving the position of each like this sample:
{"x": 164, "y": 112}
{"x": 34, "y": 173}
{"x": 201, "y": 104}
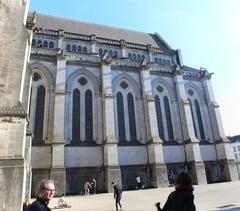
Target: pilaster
{"x": 93, "y": 43}
{"x": 112, "y": 169}
{"x": 192, "y": 150}
{"x": 58, "y": 170}
{"x": 158, "y": 167}
{"x": 123, "y": 48}
{"x": 149, "y": 49}
{"x": 225, "y": 158}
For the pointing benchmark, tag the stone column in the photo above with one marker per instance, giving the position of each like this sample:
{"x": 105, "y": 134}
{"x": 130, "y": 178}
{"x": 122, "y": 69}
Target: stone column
{"x": 191, "y": 143}
{"x": 158, "y": 167}
{"x": 15, "y": 45}
{"x": 225, "y": 159}
{"x": 112, "y": 169}
{"x": 58, "y": 173}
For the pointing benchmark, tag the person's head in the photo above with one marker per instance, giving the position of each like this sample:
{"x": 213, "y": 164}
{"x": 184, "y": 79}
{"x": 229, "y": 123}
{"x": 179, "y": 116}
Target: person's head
{"x": 184, "y": 179}
{"x": 114, "y": 183}
{"x": 46, "y": 189}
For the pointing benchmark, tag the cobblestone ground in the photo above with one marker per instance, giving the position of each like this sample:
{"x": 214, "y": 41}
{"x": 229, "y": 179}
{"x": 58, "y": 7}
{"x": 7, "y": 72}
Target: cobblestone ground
{"x": 213, "y": 197}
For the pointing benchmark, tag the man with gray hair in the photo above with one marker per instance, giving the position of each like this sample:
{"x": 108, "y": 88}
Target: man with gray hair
{"x": 45, "y": 193}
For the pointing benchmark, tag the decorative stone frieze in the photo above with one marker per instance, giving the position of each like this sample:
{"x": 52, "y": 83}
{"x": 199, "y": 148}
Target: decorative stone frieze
{"x": 149, "y": 98}
{"x": 125, "y": 63}
{"x": 82, "y": 58}
{"x": 44, "y": 52}
{"x": 13, "y": 111}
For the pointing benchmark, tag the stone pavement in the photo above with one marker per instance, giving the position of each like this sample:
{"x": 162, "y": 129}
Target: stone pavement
{"x": 212, "y": 197}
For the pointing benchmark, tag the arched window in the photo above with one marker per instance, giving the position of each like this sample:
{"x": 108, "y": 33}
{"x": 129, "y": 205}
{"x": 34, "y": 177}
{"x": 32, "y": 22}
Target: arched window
{"x": 88, "y": 115}
{"x": 39, "y": 43}
{"x": 76, "y": 115}
{"x": 33, "y": 42}
{"x": 79, "y": 48}
{"x": 68, "y": 47}
{"x": 110, "y": 53}
{"x": 156, "y": 60}
{"x": 84, "y": 49}
{"x": 143, "y": 57}
{"x": 115, "y": 54}
{"x": 130, "y": 56}
{"x": 51, "y": 44}
{"x": 159, "y": 117}
{"x": 138, "y": 58}
{"x": 168, "y": 118}
{"x": 199, "y": 117}
{"x": 134, "y": 57}
{"x": 120, "y": 115}
{"x": 194, "y": 125}
{"x": 131, "y": 114}
{"x": 74, "y": 48}
{"x": 45, "y": 44}
{"x": 160, "y": 61}
{"x": 39, "y": 115}
{"x": 100, "y": 52}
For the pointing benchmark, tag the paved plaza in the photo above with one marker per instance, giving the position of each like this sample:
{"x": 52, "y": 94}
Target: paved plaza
{"x": 212, "y": 197}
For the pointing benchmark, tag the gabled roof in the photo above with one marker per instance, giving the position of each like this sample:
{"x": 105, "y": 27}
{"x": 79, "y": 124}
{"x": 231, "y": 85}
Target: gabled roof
{"x": 103, "y": 31}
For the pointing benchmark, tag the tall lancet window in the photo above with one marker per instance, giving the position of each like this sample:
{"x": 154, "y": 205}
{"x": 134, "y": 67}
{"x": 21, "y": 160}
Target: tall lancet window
{"x": 194, "y": 124}
{"x": 76, "y": 115}
{"x": 193, "y": 98}
{"x": 88, "y": 115}
{"x": 168, "y": 118}
{"x": 159, "y": 117}
{"x": 163, "y": 112}
{"x": 131, "y": 115}
{"x": 39, "y": 113}
{"x": 199, "y": 118}
{"x": 120, "y": 115}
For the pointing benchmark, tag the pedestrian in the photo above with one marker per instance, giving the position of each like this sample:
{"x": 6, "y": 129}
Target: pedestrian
{"x": 87, "y": 187}
{"x": 45, "y": 193}
{"x": 182, "y": 199}
{"x": 117, "y": 195}
{"x": 138, "y": 180}
{"x": 94, "y": 186}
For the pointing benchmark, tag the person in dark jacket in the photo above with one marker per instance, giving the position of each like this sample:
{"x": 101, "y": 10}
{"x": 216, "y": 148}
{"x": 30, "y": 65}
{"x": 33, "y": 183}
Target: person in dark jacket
{"x": 45, "y": 194}
{"x": 117, "y": 195}
{"x": 182, "y": 199}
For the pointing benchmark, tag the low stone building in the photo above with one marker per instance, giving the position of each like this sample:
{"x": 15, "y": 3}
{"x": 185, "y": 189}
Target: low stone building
{"x": 114, "y": 104}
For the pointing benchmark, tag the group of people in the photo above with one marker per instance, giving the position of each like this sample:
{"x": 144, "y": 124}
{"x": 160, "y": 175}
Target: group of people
{"x": 181, "y": 199}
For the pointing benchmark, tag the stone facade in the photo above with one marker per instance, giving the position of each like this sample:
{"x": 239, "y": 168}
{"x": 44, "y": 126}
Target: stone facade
{"x": 113, "y": 104}
{"x": 15, "y": 140}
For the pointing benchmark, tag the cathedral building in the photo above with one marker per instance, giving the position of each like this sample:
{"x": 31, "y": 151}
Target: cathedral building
{"x": 113, "y": 104}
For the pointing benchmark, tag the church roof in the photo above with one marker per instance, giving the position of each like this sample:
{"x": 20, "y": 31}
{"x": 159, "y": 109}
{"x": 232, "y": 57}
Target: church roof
{"x": 103, "y": 31}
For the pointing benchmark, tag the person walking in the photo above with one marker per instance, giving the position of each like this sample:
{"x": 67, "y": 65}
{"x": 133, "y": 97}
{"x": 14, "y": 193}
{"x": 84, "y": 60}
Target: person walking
{"x": 45, "y": 193}
{"x": 117, "y": 195}
{"x": 182, "y": 199}
{"x": 94, "y": 186}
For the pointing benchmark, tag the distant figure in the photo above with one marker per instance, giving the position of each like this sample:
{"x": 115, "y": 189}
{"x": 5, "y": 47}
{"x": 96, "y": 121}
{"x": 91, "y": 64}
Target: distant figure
{"x": 172, "y": 178}
{"x": 139, "y": 184}
{"x": 94, "y": 186}
{"x": 45, "y": 193}
{"x": 182, "y": 199}
{"x": 117, "y": 195}
{"x": 62, "y": 203}
{"x": 87, "y": 187}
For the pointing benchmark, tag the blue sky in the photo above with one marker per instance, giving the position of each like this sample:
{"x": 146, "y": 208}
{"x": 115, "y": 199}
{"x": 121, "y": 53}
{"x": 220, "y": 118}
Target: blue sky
{"x": 206, "y": 31}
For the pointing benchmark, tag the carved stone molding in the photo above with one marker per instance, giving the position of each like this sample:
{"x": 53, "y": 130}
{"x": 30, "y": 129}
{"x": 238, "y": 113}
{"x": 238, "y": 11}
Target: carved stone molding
{"x": 12, "y": 111}
{"x": 108, "y": 95}
{"x": 125, "y": 63}
{"x": 149, "y": 98}
{"x": 82, "y": 58}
